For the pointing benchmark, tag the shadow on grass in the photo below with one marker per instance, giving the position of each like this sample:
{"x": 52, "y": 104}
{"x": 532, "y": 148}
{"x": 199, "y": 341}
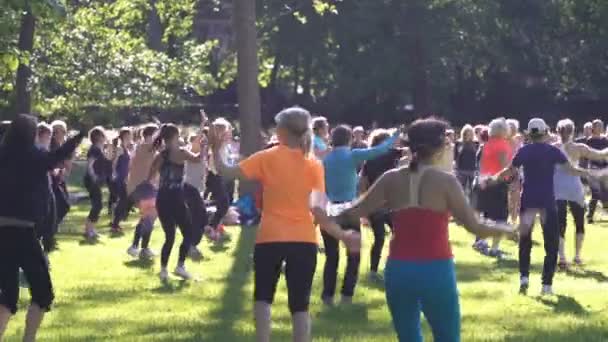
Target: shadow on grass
{"x": 231, "y": 306}
{"x": 588, "y": 274}
{"x": 170, "y": 287}
{"x": 139, "y": 263}
{"x": 564, "y": 304}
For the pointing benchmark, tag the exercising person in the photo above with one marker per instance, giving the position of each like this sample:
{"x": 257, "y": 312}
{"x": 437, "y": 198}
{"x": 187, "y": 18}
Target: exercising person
{"x": 420, "y": 273}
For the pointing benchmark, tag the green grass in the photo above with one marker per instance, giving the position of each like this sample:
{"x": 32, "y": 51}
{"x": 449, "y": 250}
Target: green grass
{"x": 103, "y": 295}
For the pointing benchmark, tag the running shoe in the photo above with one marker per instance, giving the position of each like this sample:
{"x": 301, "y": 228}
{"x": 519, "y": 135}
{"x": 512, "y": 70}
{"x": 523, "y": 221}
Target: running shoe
{"x": 523, "y": 285}
{"x": 547, "y": 290}
{"x": 116, "y": 230}
{"x": 181, "y": 272}
{"x": 133, "y": 251}
{"x": 164, "y": 275}
{"x": 146, "y": 253}
{"x": 496, "y": 253}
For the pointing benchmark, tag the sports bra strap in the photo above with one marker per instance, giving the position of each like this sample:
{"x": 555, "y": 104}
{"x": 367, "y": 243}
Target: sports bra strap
{"x": 415, "y": 178}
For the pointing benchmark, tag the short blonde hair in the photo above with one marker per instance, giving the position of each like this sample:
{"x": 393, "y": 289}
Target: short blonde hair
{"x": 466, "y": 128}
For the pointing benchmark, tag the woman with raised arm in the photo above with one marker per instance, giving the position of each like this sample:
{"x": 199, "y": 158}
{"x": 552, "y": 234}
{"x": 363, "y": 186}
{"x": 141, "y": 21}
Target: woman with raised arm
{"x": 569, "y": 190}
{"x": 420, "y": 272}
{"x": 293, "y": 186}
{"x": 171, "y": 202}
{"x": 23, "y": 178}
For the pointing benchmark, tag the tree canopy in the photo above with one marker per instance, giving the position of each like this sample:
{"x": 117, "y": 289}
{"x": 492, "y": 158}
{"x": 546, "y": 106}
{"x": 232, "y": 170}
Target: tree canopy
{"x": 351, "y": 60}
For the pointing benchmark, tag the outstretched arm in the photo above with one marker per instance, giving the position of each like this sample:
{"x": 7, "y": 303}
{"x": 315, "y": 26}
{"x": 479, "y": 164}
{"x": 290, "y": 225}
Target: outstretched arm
{"x": 363, "y": 154}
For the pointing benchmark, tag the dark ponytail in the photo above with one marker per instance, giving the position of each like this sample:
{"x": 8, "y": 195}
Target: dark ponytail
{"x": 166, "y": 133}
{"x": 426, "y": 137}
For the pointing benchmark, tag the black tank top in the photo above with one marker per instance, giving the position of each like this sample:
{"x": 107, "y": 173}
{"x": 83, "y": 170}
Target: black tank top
{"x": 171, "y": 174}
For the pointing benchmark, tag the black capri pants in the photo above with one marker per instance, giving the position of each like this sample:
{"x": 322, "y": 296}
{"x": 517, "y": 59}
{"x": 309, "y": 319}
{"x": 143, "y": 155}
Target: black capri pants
{"x": 300, "y": 260}
{"x": 94, "y": 190}
{"x": 19, "y": 248}
{"x": 172, "y": 213}
{"x": 578, "y": 213}
{"x": 493, "y": 201}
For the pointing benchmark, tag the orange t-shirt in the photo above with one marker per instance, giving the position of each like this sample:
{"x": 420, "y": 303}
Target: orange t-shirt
{"x": 288, "y": 178}
{"x": 489, "y": 164}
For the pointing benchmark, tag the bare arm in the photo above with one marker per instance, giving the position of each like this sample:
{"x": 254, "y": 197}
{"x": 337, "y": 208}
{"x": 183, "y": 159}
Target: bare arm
{"x": 185, "y": 155}
{"x": 591, "y": 153}
{"x": 575, "y": 170}
{"x": 372, "y": 200}
{"x": 158, "y": 160}
{"x": 460, "y": 208}
{"x": 226, "y": 171}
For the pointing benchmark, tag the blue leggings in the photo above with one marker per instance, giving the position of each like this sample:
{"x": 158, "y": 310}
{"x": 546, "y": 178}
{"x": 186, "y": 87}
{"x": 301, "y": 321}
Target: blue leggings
{"x": 427, "y": 286}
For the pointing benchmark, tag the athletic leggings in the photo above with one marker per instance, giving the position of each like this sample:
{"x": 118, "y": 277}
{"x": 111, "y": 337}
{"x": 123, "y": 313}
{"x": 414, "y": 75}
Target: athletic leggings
{"x": 173, "y": 212}
{"x": 19, "y": 248}
{"x": 548, "y": 218}
{"x": 378, "y": 222}
{"x": 198, "y": 212}
{"x": 300, "y": 262}
{"x": 332, "y": 259}
{"x": 427, "y": 286}
{"x": 217, "y": 188}
{"x": 578, "y": 213}
{"x": 95, "y": 196}
{"x": 124, "y": 205}
{"x": 143, "y": 232}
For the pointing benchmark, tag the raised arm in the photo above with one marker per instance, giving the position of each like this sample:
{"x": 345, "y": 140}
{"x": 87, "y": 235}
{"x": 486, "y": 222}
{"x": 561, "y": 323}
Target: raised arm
{"x": 52, "y": 160}
{"x": 363, "y": 154}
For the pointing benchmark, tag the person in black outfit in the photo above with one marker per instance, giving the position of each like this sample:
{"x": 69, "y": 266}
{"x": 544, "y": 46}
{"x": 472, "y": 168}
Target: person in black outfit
{"x": 372, "y": 170}
{"x": 95, "y": 177}
{"x": 24, "y": 181}
{"x": 59, "y": 186}
{"x": 599, "y": 190}
{"x": 465, "y": 156}
{"x": 45, "y": 228}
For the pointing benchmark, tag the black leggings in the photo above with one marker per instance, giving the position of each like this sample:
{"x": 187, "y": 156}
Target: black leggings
{"x": 143, "y": 232}
{"x": 62, "y": 204}
{"x": 46, "y": 228}
{"x": 378, "y": 222}
{"x": 173, "y": 212}
{"x": 219, "y": 194}
{"x": 95, "y": 196}
{"x": 578, "y": 213}
{"x": 124, "y": 205}
{"x": 332, "y": 259}
{"x": 551, "y": 242}
{"x": 300, "y": 260}
{"x": 19, "y": 248}
{"x": 198, "y": 212}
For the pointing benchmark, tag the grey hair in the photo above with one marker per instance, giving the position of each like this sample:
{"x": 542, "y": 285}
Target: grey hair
{"x": 513, "y": 123}
{"x": 588, "y": 124}
{"x": 297, "y": 122}
{"x": 497, "y": 126}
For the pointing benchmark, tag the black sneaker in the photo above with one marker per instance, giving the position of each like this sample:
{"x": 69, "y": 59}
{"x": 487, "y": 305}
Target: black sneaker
{"x": 523, "y": 289}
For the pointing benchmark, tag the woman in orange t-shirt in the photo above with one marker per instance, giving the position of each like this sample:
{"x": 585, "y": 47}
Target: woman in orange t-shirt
{"x": 293, "y": 195}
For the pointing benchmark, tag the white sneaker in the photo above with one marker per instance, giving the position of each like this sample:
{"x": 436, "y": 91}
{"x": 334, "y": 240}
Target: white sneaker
{"x": 181, "y": 272}
{"x": 164, "y": 275}
{"x": 133, "y": 251}
{"x": 146, "y": 253}
{"x": 547, "y": 290}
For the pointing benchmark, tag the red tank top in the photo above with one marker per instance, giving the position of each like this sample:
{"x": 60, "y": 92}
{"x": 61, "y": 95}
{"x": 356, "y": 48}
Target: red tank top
{"x": 419, "y": 234}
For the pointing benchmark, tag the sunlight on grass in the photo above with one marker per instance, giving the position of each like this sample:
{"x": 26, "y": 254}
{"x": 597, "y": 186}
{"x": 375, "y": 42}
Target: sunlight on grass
{"x": 104, "y": 295}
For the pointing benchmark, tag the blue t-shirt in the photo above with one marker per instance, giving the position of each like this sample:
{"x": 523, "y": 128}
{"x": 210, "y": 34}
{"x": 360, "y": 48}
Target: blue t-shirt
{"x": 538, "y": 161}
{"x": 319, "y": 144}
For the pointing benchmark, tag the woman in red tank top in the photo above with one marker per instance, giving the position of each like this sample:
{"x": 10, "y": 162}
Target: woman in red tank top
{"x": 420, "y": 271}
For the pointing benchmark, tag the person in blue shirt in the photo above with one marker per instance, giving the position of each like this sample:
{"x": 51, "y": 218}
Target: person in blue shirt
{"x": 320, "y": 128}
{"x": 539, "y": 160}
{"x": 341, "y": 187}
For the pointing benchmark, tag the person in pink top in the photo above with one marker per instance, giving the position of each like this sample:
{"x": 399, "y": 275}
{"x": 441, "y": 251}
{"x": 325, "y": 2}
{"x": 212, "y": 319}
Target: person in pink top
{"x": 420, "y": 272}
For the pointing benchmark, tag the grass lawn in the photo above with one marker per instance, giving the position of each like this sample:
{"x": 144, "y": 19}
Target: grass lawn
{"x": 104, "y": 295}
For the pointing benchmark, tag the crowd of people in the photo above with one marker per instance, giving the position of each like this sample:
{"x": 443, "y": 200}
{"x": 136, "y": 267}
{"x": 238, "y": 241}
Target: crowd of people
{"x": 316, "y": 183}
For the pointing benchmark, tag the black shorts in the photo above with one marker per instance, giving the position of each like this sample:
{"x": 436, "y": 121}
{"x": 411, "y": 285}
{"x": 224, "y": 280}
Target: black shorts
{"x": 300, "y": 260}
{"x": 493, "y": 202}
{"x": 19, "y": 248}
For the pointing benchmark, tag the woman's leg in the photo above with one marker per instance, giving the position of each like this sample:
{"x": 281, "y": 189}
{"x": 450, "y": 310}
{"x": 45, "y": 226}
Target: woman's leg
{"x": 301, "y": 263}
{"x": 440, "y": 301}
{"x": 219, "y": 194}
{"x": 578, "y": 213}
{"x": 377, "y": 225}
{"x": 10, "y": 248}
{"x": 351, "y": 275}
{"x": 167, "y": 220}
{"x": 267, "y": 261}
{"x": 562, "y": 220}
{"x": 402, "y": 300}
{"x": 184, "y": 221}
{"x": 96, "y": 204}
{"x": 330, "y": 270}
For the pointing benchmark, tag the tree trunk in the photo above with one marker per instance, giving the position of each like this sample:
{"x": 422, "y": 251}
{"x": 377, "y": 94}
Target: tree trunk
{"x": 154, "y": 29}
{"x": 248, "y": 88}
{"x": 23, "y": 101}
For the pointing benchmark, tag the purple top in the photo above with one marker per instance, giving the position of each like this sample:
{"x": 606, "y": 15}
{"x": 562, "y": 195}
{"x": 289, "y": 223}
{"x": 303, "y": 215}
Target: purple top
{"x": 538, "y": 161}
